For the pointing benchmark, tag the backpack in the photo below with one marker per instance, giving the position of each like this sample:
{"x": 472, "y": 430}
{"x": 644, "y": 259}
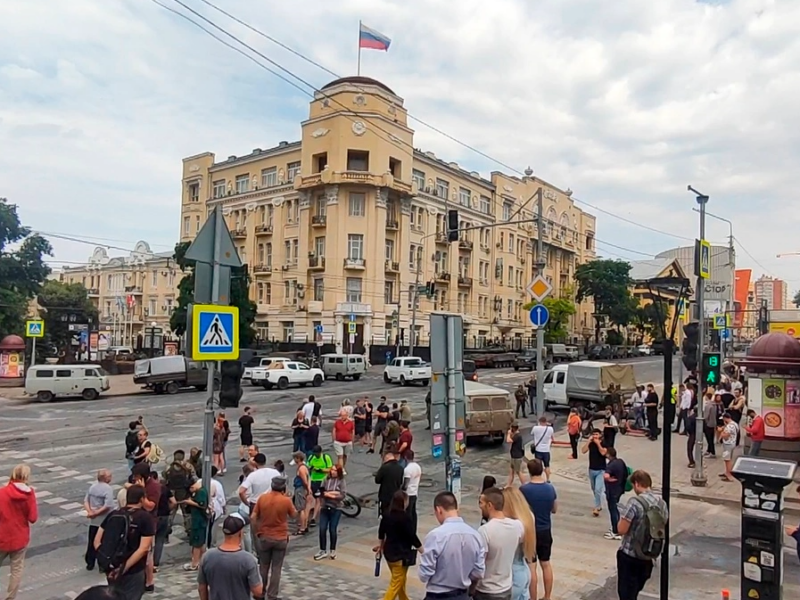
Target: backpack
{"x": 628, "y": 484}
{"x": 650, "y": 530}
{"x": 113, "y": 550}
{"x": 155, "y": 454}
{"x": 178, "y": 478}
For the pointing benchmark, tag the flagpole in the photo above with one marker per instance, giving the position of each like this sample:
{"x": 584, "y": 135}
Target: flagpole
{"x": 358, "y": 72}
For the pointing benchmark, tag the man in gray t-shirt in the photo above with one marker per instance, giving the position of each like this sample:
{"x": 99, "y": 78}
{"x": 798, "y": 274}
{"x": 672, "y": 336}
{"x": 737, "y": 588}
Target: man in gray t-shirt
{"x": 227, "y": 572}
{"x": 99, "y": 501}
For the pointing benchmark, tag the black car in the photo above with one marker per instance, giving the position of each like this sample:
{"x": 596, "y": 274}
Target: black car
{"x": 601, "y": 352}
{"x": 526, "y": 360}
{"x": 469, "y": 370}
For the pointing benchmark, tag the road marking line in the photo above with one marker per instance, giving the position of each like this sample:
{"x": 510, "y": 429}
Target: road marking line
{"x": 71, "y": 506}
{"x": 56, "y": 500}
{"x": 82, "y": 477}
{"x": 43, "y": 494}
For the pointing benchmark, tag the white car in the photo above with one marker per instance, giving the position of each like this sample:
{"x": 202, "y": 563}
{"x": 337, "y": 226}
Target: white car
{"x": 644, "y": 350}
{"x": 284, "y": 374}
{"x": 260, "y": 363}
{"x": 408, "y": 369}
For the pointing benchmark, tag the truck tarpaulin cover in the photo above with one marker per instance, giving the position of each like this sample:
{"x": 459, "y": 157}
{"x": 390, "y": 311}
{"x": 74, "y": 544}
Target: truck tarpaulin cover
{"x": 591, "y": 376}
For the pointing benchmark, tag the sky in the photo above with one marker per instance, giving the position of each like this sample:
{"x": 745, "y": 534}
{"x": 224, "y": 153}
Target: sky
{"x": 625, "y": 103}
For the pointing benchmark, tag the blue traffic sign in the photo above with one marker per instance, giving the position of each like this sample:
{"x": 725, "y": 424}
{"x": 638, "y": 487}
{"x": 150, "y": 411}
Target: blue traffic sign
{"x": 725, "y": 334}
{"x": 34, "y": 329}
{"x": 318, "y": 329}
{"x": 215, "y": 332}
{"x": 540, "y": 315}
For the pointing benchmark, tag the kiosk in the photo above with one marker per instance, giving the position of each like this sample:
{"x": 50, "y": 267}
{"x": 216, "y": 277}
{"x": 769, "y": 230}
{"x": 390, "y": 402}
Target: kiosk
{"x": 763, "y": 481}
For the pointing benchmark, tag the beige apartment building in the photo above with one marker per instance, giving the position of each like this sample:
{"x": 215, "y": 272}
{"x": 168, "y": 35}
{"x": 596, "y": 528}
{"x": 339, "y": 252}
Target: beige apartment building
{"x": 339, "y": 227}
{"x": 130, "y": 292}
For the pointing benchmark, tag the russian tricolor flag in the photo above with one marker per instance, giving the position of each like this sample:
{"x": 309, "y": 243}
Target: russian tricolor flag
{"x": 374, "y": 40}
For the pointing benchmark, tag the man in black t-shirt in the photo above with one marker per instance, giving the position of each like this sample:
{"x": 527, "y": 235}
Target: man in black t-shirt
{"x": 166, "y": 503}
{"x": 129, "y": 580}
{"x": 245, "y": 433}
{"x": 616, "y": 476}
{"x": 382, "y": 412}
{"x": 516, "y": 452}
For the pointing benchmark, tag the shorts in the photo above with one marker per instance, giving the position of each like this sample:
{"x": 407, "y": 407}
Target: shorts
{"x": 368, "y": 425}
{"x": 316, "y": 489}
{"x": 544, "y": 457}
{"x": 727, "y": 454}
{"x": 247, "y": 440}
{"x": 198, "y": 534}
{"x": 544, "y": 545}
{"x": 300, "y": 498}
{"x": 516, "y": 465}
{"x": 379, "y": 429}
{"x": 342, "y": 448}
{"x": 361, "y": 428}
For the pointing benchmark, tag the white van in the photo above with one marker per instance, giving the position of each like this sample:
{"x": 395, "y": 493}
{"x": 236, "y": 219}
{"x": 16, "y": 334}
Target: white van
{"x": 343, "y": 365}
{"x": 555, "y": 386}
{"x": 49, "y": 381}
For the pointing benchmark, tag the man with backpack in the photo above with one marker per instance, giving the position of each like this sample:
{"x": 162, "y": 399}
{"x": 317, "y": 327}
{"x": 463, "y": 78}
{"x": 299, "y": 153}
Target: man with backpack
{"x": 179, "y": 476}
{"x": 123, "y": 542}
{"x": 642, "y": 527}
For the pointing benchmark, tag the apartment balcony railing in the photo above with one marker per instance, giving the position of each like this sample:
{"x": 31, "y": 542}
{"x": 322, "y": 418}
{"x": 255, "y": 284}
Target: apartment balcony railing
{"x": 442, "y": 276}
{"x": 238, "y": 234}
{"x": 316, "y": 262}
{"x": 262, "y": 269}
{"x": 465, "y": 244}
{"x": 93, "y": 292}
{"x": 392, "y": 267}
{"x": 319, "y": 220}
{"x": 392, "y": 224}
{"x": 464, "y": 281}
{"x": 133, "y": 289}
{"x": 441, "y": 237}
{"x": 355, "y": 263}
{"x": 264, "y": 229}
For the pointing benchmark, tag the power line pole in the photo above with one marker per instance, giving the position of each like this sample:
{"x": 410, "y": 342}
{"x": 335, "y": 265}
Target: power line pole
{"x": 541, "y": 263}
{"x": 414, "y": 300}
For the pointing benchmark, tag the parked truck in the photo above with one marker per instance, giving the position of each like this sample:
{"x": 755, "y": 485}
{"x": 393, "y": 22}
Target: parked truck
{"x": 585, "y": 383}
{"x": 169, "y": 374}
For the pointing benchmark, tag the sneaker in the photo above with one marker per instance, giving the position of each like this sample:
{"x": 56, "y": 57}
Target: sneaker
{"x": 320, "y": 555}
{"x": 150, "y": 588}
{"x": 617, "y": 537}
{"x": 609, "y": 535}
{"x": 344, "y": 473}
{"x": 333, "y": 555}
{"x": 292, "y": 463}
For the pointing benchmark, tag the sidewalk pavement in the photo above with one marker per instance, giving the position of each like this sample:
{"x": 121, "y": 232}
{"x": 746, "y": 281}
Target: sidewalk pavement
{"x": 121, "y": 385}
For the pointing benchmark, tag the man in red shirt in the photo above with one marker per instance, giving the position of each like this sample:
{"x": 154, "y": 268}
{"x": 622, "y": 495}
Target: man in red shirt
{"x": 756, "y": 432}
{"x": 344, "y": 429}
{"x": 404, "y": 443}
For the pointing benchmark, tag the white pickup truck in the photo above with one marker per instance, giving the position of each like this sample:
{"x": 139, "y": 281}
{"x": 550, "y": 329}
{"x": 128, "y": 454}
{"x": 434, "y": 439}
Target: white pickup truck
{"x": 408, "y": 369}
{"x": 284, "y": 374}
{"x": 260, "y": 363}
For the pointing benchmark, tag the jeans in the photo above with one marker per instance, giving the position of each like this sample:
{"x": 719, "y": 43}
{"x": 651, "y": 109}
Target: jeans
{"x": 638, "y": 417}
{"x": 755, "y": 448}
{"x": 129, "y": 586}
{"x": 162, "y": 528}
{"x": 328, "y": 522}
{"x": 271, "y": 554}
{"x": 691, "y": 440}
{"x": 532, "y": 399}
{"x": 17, "y": 559}
{"x": 520, "y": 407}
{"x": 297, "y": 445}
{"x": 130, "y": 464}
{"x": 612, "y": 498}
{"x": 598, "y": 485}
{"x": 632, "y": 575}
{"x": 520, "y": 580}
{"x": 573, "y": 441}
{"x": 91, "y": 554}
{"x": 412, "y": 510}
{"x": 397, "y": 584}
{"x": 652, "y": 422}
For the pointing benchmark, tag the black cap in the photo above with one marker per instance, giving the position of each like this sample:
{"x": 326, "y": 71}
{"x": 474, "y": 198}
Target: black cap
{"x": 234, "y": 523}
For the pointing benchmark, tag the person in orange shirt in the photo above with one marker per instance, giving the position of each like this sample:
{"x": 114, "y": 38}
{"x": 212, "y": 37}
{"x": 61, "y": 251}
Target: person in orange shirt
{"x": 270, "y": 519}
{"x": 574, "y": 423}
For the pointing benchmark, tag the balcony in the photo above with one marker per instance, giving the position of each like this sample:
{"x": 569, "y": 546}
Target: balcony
{"x": 316, "y": 263}
{"x": 353, "y": 308}
{"x": 442, "y": 276}
{"x": 358, "y": 264}
{"x": 441, "y": 237}
{"x": 264, "y": 230}
{"x": 392, "y": 224}
{"x": 392, "y": 267}
{"x": 93, "y": 292}
{"x": 319, "y": 220}
{"x": 464, "y": 281}
{"x": 315, "y": 306}
{"x": 262, "y": 270}
{"x": 329, "y": 177}
{"x": 239, "y": 234}
{"x": 133, "y": 289}
{"x": 465, "y": 245}
{"x": 289, "y": 265}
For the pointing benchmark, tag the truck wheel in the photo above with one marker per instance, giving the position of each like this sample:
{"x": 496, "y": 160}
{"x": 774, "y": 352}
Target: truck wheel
{"x": 44, "y": 396}
{"x": 172, "y": 388}
{"x": 201, "y": 388}
{"x": 89, "y": 394}
{"x": 386, "y": 378}
{"x": 424, "y": 382}
{"x": 516, "y": 368}
{"x": 267, "y": 385}
{"x": 403, "y": 381}
{"x": 158, "y": 388}
{"x": 317, "y": 380}
{"x": 283, "y": 383}
{"x": 356, "y": 377}
{"x": 339, "y": 377}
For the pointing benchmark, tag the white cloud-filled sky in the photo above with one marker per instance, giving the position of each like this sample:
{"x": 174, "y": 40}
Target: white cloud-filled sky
{"x": 624, "y": 102}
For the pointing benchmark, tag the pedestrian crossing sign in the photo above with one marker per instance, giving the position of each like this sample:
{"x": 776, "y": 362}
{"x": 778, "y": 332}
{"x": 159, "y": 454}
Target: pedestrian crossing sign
{"x": 34, "y": 329}
{"x": 215, "y": 332}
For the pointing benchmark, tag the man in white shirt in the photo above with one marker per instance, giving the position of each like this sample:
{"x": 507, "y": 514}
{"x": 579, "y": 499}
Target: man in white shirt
{"x": 683, "y": 408}
{"x": 542, "y": 434}
{"x": 411, "y": 476}
{"x": 502, "y": 537}
{"x": 257, "y": 483}
{"x": 308, "y": 409}
{"x": 637, "y": 400}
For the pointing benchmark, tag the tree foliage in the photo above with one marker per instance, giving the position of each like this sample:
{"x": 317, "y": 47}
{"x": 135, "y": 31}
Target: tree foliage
{"x": 796, "y": 299}
{"x": 608, "y": 283}
{"x": 561, "y": 309}
{"x": 22, "y": 268}
{"x": 648, "y": 319}
{"x": 64, "y": 304}
{"x": 240, "y": 297}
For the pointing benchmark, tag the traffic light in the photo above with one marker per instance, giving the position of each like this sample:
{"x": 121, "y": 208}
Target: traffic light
{"x": 691, "y": 341}
{"x": 430, "y": 289}
{"x": 452, "y": 225}
{"x": 230, "y": 387}
{"x": 712, "y": 369}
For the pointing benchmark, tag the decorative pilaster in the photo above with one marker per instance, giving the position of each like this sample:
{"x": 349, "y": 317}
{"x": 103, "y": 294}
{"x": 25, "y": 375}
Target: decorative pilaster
{"x": 381, "y": 197}
{"x": 332, "y": 194}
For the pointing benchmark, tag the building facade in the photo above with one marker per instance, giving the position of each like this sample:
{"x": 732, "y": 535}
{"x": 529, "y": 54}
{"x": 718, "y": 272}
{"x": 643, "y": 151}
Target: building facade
{"x": 130, "y": 292}
{"x": 719, "y": 288}
{"x": 340, "y": 229}
{"x": 773, "y": 291}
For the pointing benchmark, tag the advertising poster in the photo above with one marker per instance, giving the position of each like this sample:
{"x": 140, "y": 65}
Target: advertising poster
{"x": 792, "y": 409}
{"x": 170, "y": 349}
{"x": 11, "y": 365}
{"x": 103, "y": 341}
{"x": 772, "y": 401}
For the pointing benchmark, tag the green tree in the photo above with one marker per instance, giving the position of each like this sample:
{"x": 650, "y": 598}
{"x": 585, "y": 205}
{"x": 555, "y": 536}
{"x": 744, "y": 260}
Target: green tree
{"x": 64, "y": 304}
{"x": 796, "y": 299}
{"x": 561, "y": 309}
{"x": 22, "y": 269}
{"x": 240, "y": 297}
{"x": 650, "y": 318}
{"x": 608, "y": 283}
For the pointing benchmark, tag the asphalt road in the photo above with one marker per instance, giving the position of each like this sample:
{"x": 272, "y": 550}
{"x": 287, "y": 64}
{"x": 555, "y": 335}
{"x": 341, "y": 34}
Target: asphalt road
{"x": 66, "y": 442}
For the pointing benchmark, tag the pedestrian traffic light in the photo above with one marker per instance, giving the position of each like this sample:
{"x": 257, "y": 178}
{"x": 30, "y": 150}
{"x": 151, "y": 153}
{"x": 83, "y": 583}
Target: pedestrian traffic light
{"x": 452, "y": 225}
{"x": 691, "y": 340}
{"x": 230, "y": 388}
{"x": 430, "y": 289}
{"x": 712, "y": 368}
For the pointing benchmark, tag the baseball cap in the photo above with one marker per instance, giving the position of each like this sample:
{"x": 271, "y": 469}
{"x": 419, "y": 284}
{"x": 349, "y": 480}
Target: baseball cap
{"x": 234, "y": 523}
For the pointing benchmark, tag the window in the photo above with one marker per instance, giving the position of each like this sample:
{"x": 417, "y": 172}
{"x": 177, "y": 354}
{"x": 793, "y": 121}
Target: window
{"x": 355, "y": 246}
{"x": 357, "y": 204}
{"x": 319, "y": 289}
{"x": 243, "y": 253}
{"x": 354, "y": 289}
{"x": 321, "y": 205}
{"x": 357, "y": 160}
{"x": 168, "y": 303}
{"x": 219, "y": 188}
{"x": 270, "y": 215}
{"x": 63, "y": 373}
{"x": 418, "y": 179}
{"x": 388, "y": 292}
{"x": 154, "y": 278}
{"x": 186, "y": 224}
{"x": 194, "y": 192}
{"x": 412, "y": 295}
{"x": 440, "y": 261}
{"x": 260, "y": 293}
{"x": 389, "y": 250}
{"x": 396, "y": 167}
{"x": 290, "y": 291}
{"x": 108, "y": 307}
{"x": 442, "y": 188}
{"x": 151, "y": 307}
{"x": 560, "y": 377}
{"x": 242, "y": 183}
{"x": 197, "y": 224}
{"x": 287, "y": 252}
{"x": 288, "y": 330}
{"x": 417, "y": 218}
{"x": 269, "y": 177}
{"x": 109, "y": 284}
{"x": 260, "y": 255}
{"x": 464, "y": 196}
{"x": 485, "y": 205}
{"x": 507, "y": 206}
{"x": 319, "y": 246}
{"x": 485, "y": 238}
{"x": 267, "y": 293}
{"x": 292, "y": 171}
{"x": 511, "y": 242}
{"x": 319, "y": 162}
{"x": 414, "y": 256}
{"x": 268, "y": 255}
{"x": 589, "y": 242}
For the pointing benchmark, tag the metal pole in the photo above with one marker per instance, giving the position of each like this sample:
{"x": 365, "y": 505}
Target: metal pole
{"x": 414, "y": 299}
{"x": 453, "y": 464}
{"x": 208, "y": 415}
{"x": 541, "y": 263}
{"x": 33, "y": 352}
{"x": 666, "y": 459}
{"x": 699, "y": 474}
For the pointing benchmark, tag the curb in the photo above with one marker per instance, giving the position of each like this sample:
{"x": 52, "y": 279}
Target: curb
{"x": 32, "y": 399}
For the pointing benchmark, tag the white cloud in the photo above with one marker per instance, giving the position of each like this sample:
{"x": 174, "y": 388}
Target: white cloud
{"x": 625, "y": 103}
